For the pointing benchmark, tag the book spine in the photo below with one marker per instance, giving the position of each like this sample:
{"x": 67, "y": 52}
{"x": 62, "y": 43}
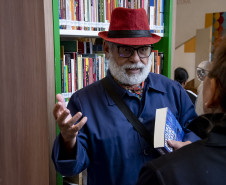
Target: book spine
{"x": 155, "y": 60}
{"x": 72, "y": 75}
{"x": 102, "y": 67}
{"x": 68, "y": 14}
{"x": 152, "y": 15}
{"x": 62, "y": 75}
{"x": 162, "y": 15}
{"x": 63, "y": 12}
{"x": 90, "y": 70}
{"x": 68, "y": 63}
{"x": 80, "y": 76}
{"x": 86, "y": 71}
{"x": 161, "y": 54}
{"x": 75, "y": 70}
{"x": 59, "y": 3}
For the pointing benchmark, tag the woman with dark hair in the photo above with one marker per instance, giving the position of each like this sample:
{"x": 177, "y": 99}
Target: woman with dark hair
{"x": 204, "y": 161}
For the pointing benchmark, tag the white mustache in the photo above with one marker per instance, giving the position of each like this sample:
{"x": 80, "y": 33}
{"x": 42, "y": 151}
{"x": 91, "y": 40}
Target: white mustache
{"x": 133, "y": 66}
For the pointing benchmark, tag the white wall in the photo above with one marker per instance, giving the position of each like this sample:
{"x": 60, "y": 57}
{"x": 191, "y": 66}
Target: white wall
{"x": 190, "y": 16}
{"x": 185, "y": 60}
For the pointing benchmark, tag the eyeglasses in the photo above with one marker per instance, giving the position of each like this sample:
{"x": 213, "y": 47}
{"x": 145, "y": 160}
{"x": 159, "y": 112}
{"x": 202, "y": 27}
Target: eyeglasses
{"x": 201, "y": 73}
{"x": 128, "y": 51}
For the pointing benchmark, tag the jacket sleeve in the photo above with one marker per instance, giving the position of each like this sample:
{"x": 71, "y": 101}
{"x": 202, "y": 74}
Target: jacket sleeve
{"x": 72, "y": 166}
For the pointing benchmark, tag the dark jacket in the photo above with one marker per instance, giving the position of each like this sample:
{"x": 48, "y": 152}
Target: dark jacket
{"x": 192, "y": 96}
{"x": 202, "y": 162}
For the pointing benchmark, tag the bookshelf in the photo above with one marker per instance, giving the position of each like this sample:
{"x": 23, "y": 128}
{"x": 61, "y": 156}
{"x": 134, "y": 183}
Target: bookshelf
{"x": 165, "y": 45}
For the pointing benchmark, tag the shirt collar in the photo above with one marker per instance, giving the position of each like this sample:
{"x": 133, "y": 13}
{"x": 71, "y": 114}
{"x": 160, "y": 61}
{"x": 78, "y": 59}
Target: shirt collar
{"x": 152, "y": 82}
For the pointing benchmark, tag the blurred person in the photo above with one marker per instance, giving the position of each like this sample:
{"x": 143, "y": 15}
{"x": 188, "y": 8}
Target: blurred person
{"x": 201, "y": 73}
{"x": 181, "y": 76}
{"x": 202, "y": 162}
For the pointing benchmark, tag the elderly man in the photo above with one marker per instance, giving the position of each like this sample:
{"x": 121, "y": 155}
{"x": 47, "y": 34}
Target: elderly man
{"x": 94, "y": 133}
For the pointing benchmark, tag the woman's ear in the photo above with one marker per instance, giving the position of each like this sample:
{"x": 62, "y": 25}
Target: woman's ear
{"x": 213, "y": 101}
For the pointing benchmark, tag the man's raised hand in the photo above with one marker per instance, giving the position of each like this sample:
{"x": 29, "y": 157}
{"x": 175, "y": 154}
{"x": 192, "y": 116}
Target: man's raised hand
{"x": 66, "y": 122}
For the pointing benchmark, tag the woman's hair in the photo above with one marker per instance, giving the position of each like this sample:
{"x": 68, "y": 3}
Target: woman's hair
{"x": 181, "y": 75}
{"x": 218, "y": 71}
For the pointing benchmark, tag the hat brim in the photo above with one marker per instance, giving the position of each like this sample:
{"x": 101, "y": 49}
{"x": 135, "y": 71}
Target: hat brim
{"x": 136, "y": 41}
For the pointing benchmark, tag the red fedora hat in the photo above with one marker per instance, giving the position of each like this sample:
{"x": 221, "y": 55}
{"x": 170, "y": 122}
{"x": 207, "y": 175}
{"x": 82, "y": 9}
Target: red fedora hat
{"x": 129, "y": 27}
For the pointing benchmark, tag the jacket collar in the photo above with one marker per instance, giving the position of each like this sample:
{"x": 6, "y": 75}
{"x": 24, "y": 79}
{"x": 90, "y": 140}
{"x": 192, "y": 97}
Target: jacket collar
{"x": 153, "y": 82}
{"x": 202, "y": 125}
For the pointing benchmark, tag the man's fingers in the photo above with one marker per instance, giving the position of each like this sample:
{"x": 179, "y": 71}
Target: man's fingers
{"x": 80, "y": 124}
{"x": 61, "y": 99}
{"x": 177, "y": 144}
{"x": 57, "y": 110}
{"x": 75, "y": 118}
{"x": 64, "y": 118}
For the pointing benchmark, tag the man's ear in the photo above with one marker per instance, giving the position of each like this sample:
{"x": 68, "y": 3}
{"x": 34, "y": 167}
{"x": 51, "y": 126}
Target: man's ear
{"x": 214, "y": 94}
{"x": 183, "y": 84}
{"x": 106, "y": 49}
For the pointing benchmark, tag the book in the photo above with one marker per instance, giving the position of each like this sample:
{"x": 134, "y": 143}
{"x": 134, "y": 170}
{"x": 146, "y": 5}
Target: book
{"x": 70, "y": 46}
{"x": 161, "y": 54}
{"x": 92, "y": 66}
{"x": 68, "y": 63}
{"x": 155, "y": 52}
{"x": 166, "y": 128}
{"x": 62, "y": 67}
{"x": 79, "y": 72}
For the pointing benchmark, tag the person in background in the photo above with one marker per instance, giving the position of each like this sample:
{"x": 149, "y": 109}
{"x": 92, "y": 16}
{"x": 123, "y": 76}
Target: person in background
{"x": 181, "y": 75}
{"x": 201, "y": 73}
{"x": 94, "y": 133}
{"x": 202, "y": 162}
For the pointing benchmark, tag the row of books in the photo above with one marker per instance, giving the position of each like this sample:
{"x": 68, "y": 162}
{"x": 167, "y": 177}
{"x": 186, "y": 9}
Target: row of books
{"x": 157, "y": 59}
{"x": 95, "y": 15}
{"x": 80, "y": 70}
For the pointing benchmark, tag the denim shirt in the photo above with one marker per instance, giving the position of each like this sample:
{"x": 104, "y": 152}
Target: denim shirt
{"x": 108, "y": 146}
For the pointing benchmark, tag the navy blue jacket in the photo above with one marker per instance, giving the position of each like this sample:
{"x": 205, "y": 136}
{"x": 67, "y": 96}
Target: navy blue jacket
{"x": 108, "y": 146}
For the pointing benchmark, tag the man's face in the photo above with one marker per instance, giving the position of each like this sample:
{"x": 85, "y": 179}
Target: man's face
{"x": 132, "y": 70}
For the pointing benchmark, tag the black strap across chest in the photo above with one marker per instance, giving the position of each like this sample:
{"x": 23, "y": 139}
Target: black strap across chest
{"x": 127, "y": 112}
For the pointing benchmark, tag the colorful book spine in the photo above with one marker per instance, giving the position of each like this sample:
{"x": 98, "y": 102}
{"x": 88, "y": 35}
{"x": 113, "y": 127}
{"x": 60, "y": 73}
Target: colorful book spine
{"x": 68, "y": 64}
{"x": 152, "y": 15}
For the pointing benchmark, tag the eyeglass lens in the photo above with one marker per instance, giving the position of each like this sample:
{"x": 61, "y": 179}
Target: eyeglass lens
{"x": 201, "y": 73}
{"x": 126, "y": 51}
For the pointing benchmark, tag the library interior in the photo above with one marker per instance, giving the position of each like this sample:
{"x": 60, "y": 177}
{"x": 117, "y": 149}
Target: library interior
{"x": 53, "y": 47}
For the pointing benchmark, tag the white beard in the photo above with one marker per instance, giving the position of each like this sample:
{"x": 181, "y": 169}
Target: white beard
{"x": 119, "y": 72}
